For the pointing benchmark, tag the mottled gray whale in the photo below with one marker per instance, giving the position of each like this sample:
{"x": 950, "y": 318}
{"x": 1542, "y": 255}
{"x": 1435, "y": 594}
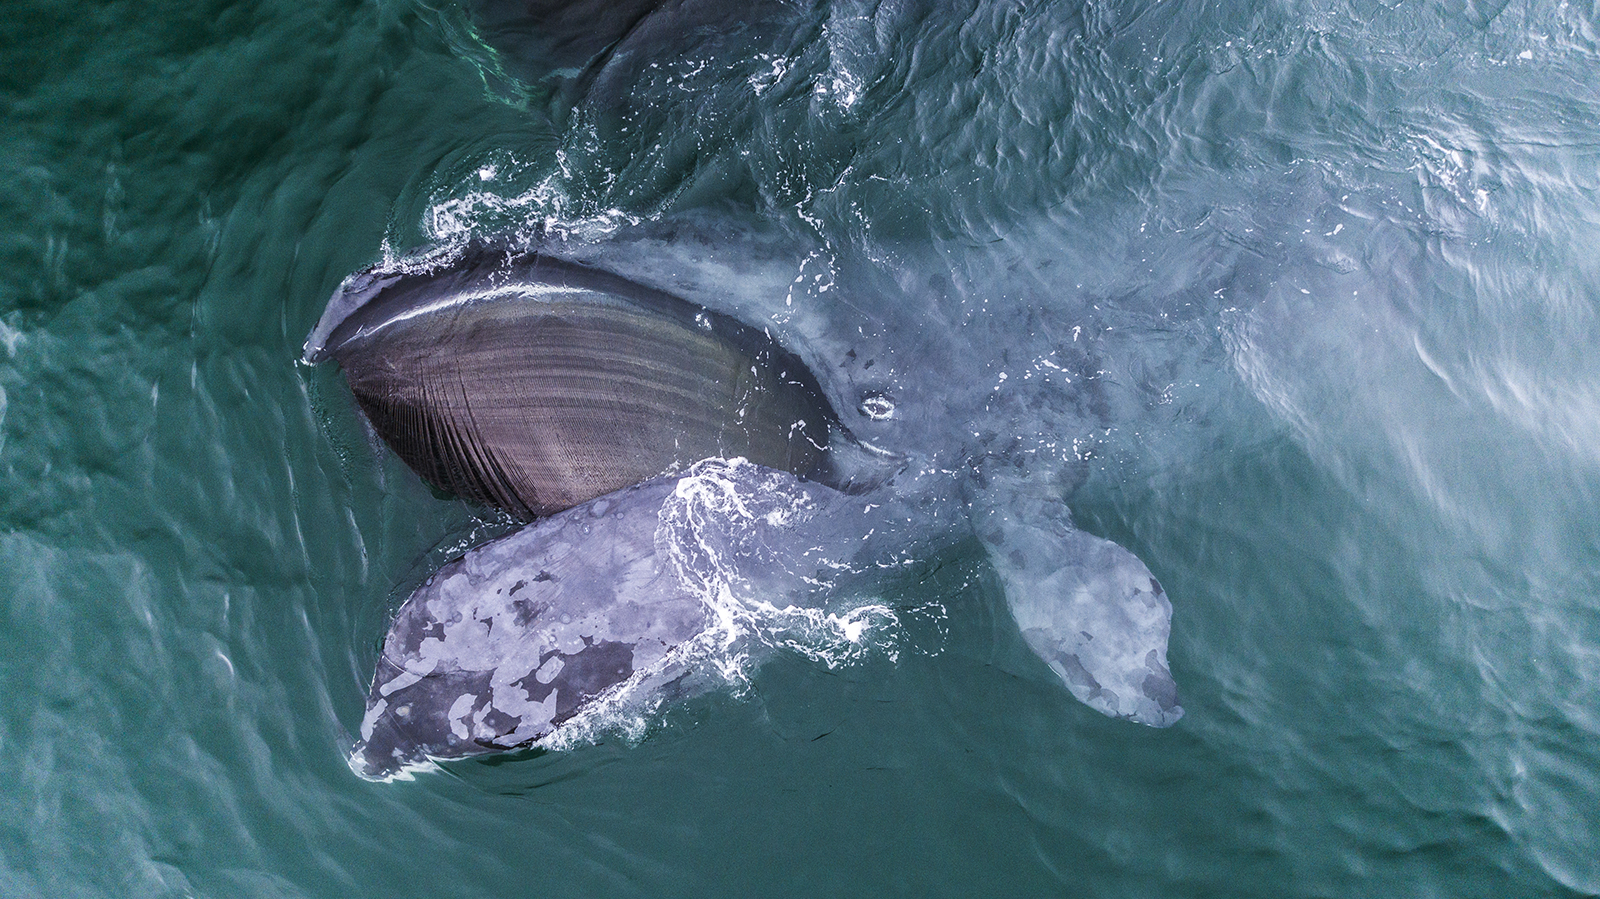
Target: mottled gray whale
{"x": 437, "y": 347}
{"x": 617, "y": 597}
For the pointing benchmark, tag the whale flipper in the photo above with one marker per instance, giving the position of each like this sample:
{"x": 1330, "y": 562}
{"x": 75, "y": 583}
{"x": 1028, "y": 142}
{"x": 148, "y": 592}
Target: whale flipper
{"x": 1090, "y": 609}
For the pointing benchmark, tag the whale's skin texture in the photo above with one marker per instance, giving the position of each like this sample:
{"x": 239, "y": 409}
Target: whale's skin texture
{"x": 919, "y": 480}
{"x": 503, "y": 645}
{"x": 533, "y": 384}
{"x": 570, "y": 45}
{"x": 1090, "y": 609}
{"x": 506, "y": 642}
{"x": 561, "y": 34}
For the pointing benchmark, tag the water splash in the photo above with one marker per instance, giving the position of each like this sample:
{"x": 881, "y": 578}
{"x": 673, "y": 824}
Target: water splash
{"x": 762, "y": 552}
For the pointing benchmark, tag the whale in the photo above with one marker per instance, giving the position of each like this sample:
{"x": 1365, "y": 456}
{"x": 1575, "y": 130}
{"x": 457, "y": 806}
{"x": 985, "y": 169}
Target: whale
{"x": 597, "y": 407}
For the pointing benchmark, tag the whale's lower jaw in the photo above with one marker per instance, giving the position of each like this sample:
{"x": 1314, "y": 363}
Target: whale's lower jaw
{"x": 606, "y": 603}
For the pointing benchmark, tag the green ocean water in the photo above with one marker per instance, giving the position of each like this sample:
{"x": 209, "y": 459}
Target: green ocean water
{"x": 1337, "y": 261}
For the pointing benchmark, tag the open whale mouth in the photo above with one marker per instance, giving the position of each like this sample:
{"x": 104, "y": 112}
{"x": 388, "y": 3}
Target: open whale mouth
{"x": 533, "y": 384}
{"x": 573, "y": 397}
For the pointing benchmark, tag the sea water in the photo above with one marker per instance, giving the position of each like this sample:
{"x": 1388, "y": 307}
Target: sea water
{"x": 1307, "y": 292}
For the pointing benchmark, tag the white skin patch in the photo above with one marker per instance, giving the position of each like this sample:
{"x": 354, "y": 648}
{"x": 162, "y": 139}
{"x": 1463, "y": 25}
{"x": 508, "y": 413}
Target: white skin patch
{"x": 548, "y": 671}
{"x": 370, "y": 720}
{"x": 458, "y": 714}
{"x": 411, "y": 675}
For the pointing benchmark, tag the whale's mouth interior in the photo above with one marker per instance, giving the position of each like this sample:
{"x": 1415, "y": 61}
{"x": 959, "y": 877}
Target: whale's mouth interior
{"x": 531, "y": 384}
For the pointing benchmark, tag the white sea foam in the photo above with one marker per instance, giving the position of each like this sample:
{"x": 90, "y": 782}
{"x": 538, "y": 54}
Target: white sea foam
{"x": 545, "y": 209}
{"x": 758, "y": 548}
{"x": 9, "y": 338}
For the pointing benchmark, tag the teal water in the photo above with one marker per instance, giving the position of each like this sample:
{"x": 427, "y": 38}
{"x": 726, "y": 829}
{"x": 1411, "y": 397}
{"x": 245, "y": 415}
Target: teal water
{"x": 1336, "y": 261}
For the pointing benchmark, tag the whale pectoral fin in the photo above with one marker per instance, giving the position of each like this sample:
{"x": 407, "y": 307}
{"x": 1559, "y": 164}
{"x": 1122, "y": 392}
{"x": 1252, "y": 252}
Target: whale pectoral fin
{"x": 1091, "y": 610}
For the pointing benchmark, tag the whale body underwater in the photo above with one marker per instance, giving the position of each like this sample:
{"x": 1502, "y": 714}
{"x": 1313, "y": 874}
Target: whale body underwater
{"x": 676, "y": 466}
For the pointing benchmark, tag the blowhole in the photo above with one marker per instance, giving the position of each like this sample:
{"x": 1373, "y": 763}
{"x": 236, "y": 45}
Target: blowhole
{"x": 876, "y": 406}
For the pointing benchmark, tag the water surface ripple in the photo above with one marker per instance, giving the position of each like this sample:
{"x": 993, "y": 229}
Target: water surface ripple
{"x": 1305, "y": 292}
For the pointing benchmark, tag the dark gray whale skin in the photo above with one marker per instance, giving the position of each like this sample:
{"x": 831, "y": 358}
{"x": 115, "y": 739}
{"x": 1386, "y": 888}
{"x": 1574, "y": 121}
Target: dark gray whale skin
{"x": 612, "y": 410}
{"x": 509, "y": 642}
{"x": 559, "y": 34}
{"x": 534, "y": 384}
{"x": 502, "y": 645}
{"x": 615, "y": 604}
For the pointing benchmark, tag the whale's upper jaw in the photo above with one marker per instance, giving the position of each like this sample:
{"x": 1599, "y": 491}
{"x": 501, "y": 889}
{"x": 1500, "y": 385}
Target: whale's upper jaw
{"x": 432, "y": 280}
